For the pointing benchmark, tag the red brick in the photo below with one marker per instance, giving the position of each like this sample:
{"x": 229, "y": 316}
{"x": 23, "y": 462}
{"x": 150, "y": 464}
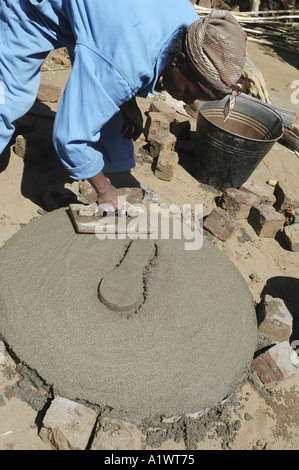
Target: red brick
{"x": 276, "y": 322}
{"x": 276, "y": 363}
{"x": 238, "y": 203}
{"x": 164, "y": 140}
{"x": 166, "y": 165}
{"x": 221, "y": 224}
{"x": 266, "y": 369}
{"x": 265, "y": 220}
{"x": 286, "y": 196}
{"x": 264, "y": 193}
{"x": 160, "y": 106}
{"x": 291, "y": 234}
{"x": 155, "y": 123}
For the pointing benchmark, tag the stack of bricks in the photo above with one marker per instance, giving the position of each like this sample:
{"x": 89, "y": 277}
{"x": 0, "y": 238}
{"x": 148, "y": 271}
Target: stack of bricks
{"x": 275, "y": 327}
{"x": 162, "y": 129}
{"x": 264, "y": 211}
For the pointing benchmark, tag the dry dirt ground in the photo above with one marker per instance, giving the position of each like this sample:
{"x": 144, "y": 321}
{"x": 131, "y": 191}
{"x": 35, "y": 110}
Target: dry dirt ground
{"x": 266, "y": 417}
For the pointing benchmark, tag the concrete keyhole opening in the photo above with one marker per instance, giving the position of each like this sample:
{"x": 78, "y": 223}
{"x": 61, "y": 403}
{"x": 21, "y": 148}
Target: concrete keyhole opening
{"x": 122, "y": 289}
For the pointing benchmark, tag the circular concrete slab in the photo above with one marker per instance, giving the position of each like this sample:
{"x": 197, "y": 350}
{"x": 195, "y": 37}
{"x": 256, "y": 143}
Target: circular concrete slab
{"x": 184, "y": 348}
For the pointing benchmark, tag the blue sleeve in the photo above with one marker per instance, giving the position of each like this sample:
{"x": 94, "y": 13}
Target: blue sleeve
{"x": 93, "y": 94}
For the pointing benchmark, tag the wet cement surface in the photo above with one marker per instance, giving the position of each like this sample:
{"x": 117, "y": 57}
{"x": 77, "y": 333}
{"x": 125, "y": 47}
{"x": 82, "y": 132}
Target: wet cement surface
{"x": 183, "y": 349}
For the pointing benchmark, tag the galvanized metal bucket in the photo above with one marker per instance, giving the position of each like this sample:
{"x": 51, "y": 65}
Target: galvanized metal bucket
{"x": 227, "y": 153}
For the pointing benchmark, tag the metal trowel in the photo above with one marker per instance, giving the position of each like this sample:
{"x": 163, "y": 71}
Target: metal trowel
{"x": 86, "y": 219}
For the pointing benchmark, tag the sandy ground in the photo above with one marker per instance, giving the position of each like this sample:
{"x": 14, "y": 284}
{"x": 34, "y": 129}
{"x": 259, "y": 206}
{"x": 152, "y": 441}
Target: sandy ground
{"x": 266, "y": 417}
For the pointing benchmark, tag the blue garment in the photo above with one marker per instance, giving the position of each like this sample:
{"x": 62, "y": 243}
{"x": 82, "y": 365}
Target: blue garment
{"x": 118, "y": 54}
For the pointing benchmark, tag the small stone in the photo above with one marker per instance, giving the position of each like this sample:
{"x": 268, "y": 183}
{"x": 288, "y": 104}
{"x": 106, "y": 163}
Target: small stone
{"x": 265, "y": 220}
{"x": 48, "y": 93}
{"x": 114, "y": 434}
{"x": 221, "y": 224}
{"x": 275, "y": 320}
{"x": 160, "y": 106}
{"x": 286, "y": 196}
{"x": 238, "y": 203}
{"x": 275, "y": 364}
{"x": 34, "y": 146}
{"x": 291, "y": 234}
{"x": 265, "y": 194}
{"x": 155, "y": 123}
{"x": 163, "y": 140}
{"x": 166, "y": 165}
{"x": 67, "y": 425}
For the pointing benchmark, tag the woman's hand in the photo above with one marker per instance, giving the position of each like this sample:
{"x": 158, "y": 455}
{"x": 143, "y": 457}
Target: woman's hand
{"x": 108, "y": 198}
{"x": 133, "y": 121}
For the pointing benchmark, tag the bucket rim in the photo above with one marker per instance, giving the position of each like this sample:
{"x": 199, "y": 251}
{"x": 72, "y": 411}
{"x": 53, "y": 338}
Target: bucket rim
{"x": 239, "y": 135}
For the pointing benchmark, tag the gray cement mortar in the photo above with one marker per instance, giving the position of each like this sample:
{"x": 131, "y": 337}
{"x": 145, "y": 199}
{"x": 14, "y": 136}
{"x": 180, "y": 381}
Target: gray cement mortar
{"x": 184, "y": 349}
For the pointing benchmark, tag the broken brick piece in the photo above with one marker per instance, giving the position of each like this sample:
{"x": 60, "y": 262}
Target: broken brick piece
{"x": 166, "y": 165}
{"x": 276, "y": 322}
{"x": 276, "y": 363}
{"x": 286, "y": 196}
{"x": 155, "y": 123}
{"x": 221, "y": 224}
{"x": 163, "y": 140}
{"x": 291, "y": 234}
{"x": 34, "y": 146}
{"x": 113, "y": 434}
{"x": 265, "y": 220}
{"x": 160, "y": 106}
{"x": 67, "y": 425}
{"x": 238, "y": 203}
{"x": 265, "y": 194}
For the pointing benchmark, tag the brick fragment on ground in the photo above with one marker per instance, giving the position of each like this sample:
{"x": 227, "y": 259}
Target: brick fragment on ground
{"x": 275, "y": 320}
{"x": 163, "y": 140}
{"x": 114, "y": 434}
{"x": 221, "y": 224}
{"x": 34, "y": 146}
{"x": 286, "y": 196}
{"x": 155, "y": 123}
{"x": 67, "y": 425}
{"x": 160, "y": 106}
{"x": 166, "y": 165}
{"x": 49, "y": 93}
{"x": 264, "y": 193}
{"x": 276, "y": 363}
{"x": 265, "y": 220}
{"x": 238, "y": 203}
{"x": 291, "y": 234}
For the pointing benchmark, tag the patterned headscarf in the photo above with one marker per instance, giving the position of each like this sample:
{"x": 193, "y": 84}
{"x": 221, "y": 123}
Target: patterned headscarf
{"x": 215, "y": 48}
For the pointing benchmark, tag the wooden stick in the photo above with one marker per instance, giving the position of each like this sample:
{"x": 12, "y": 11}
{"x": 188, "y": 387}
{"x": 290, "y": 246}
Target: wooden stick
{"x": 287, "y": 116}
